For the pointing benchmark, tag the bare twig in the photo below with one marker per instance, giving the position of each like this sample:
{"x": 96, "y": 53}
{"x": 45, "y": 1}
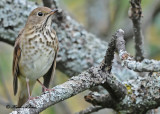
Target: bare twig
{"x": 90, "y": 110}
{"x": 135, "y": 13}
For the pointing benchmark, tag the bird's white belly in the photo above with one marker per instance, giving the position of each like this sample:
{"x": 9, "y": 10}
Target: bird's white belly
{"x": 36, "y": 65}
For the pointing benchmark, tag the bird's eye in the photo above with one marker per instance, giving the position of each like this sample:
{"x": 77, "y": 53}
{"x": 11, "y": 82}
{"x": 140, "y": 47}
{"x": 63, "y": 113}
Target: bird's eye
{"x": 40, "y": 13}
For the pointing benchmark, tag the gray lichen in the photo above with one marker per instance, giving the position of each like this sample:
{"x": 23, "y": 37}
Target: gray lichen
{"x": 13, "y": 17}
{"x": 143, "y": 94}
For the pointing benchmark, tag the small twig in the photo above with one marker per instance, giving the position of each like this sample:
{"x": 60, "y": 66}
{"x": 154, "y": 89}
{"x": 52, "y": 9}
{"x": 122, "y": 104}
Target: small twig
{"x": 116, "y": 92}
{"x": 128, "y": 61}
{"x": 107, "y": 62}
{"x": 135, "y": 13}
{"x": 90, "y": 110}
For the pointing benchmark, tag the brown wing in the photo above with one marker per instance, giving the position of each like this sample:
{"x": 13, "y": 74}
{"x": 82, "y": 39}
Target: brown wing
{"x": 48, "y": 76}
{"x": 15, "y": 67}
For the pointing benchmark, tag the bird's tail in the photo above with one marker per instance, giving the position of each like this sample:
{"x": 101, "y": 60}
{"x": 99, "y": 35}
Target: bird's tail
{"x": 23, "y": 92}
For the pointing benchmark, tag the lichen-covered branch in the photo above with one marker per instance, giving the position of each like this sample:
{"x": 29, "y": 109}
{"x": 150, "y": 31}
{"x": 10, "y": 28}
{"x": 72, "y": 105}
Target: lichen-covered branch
{"x": 135, "y": 13}
{"x": 115, "y": 88}
{"x": 90, "y": 110}
{"x": 142, "y": 93}
{"x": 144, "y": 66}
{"x": 127, "y": 60}
{"x": 116, "y": 92}
{"x": 106, "y": 65}
{"x": 87, "y": 79}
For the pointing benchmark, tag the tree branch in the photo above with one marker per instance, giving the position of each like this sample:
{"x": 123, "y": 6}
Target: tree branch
{"x": 75, "y": 85}
{"x": 106, "y": 65}
{"x": 116, "y": 92}
{"x": 128, "y": 61}
{"x": 135, "y": 13}
{"x": 142, "y": 93}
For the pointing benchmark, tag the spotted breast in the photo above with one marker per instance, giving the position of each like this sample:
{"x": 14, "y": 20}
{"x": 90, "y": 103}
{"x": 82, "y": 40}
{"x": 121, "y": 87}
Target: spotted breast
{"x": 38, "y": 52}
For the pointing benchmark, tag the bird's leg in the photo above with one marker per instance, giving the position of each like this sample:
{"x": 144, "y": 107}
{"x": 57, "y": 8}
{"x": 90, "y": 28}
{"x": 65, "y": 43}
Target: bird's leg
{"x": 41, "y": 84}
{"x": 29, "y": 94}
{"x": 45, "y": 89}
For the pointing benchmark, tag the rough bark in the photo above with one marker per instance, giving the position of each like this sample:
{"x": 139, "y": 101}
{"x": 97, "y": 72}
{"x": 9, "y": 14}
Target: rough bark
{"x": 142, "y": 93}
{"x": 87, "y": 79}
{"x": 135, "y": 13}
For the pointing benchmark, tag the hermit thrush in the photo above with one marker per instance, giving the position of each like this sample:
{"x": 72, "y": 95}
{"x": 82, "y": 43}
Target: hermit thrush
{"x": 35, "y": 53}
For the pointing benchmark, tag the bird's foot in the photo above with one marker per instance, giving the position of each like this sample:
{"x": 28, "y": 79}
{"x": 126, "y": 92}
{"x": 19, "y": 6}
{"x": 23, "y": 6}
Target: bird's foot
{"x": 32, "y": 99}
{"x": 49, "y": 90}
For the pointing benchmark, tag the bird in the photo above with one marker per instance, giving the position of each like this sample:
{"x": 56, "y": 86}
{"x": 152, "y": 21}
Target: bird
{"x": 35, "y": 53}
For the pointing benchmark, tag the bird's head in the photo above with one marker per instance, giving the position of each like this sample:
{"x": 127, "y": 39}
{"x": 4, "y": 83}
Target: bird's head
{"x": 40, "y": 17}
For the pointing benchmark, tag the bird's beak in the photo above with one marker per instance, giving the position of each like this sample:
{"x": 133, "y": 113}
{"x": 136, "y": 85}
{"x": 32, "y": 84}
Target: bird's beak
{"x": 53, "y": 11}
